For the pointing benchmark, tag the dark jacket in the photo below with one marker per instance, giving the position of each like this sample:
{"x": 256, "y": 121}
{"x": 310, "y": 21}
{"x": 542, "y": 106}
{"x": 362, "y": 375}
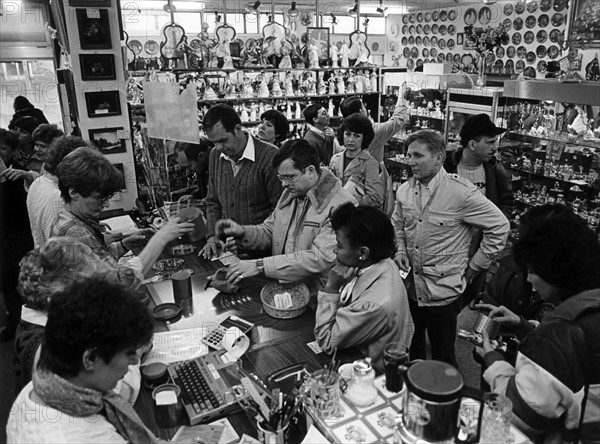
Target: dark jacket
{"x": 38, "y": 114}
{"x": 324, "y": 145}
{"x": 497, "y": 182}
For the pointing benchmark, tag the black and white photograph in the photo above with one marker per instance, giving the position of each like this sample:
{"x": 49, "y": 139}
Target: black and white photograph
{"x": 103, "y": 103}
{"x": 106, "y": 140}
{"x": 94, "y": 28}
{"x": 97, "y": 67}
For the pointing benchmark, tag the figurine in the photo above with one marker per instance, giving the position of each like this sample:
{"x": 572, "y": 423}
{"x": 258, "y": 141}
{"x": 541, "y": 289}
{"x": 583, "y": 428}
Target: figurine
{"x": 331, "y": 85}
{"x": 286, "y": 50}
{"x": 298, "y": 111}
{"x": 373, "y": 81}
{"x": 322, "y": 87}
{"x": 313, "y": 54}
{"x": 253, "y": 117}
{"x": 288, "y": 111}
{"x": 289, "y": 85}
{"x": 247, "y": 90}
{"x": 334, "y": 56}
{"x": 276, "y": 90}
{"x": 209, "y": 93}
{"x": 264, "y": 88}
{"x": 244, "y": 117}
{"x": 345, "y": 51}
{"x": 330, "y": 108}
{"x": 351, "y": 87}
{"x": 362, "y": 54}
{"x": 341, "y": 87}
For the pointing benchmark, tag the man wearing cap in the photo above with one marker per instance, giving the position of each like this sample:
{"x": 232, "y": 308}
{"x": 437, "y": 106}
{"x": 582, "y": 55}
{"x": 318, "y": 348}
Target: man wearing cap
{"x": 434, "y": 218}
{"x": 477, "y": 163}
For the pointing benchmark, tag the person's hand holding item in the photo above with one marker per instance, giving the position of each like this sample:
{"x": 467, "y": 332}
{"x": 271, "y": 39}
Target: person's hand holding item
{"x": 500, "y": 314}
{"x": 173, "y": 230}
{"x": 137, "y": 239}
{"x": 338, "y": 276}
{"x": 486, "y": 345}
{"x": 225, "y": 228}
{"x": 16, "y": 174}
{"x": 470, "y": 274}
{"x": 212, "y": 247}
{"x": 329, "y": 132}
{"x": 402, "y": 261}
{"x": 241, "y": 270}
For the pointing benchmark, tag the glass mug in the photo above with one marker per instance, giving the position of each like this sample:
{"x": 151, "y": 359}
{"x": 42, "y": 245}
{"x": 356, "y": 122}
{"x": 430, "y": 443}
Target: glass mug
{"x": 497, "y": 418}
{"x": 322, "y": 393}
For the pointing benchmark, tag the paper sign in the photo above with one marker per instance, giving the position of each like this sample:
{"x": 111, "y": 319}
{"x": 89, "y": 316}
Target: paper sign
{"x": 403, "y": 273}
{"x": 314, "y": 347}
{"x": 283, "y": 300}
{"x": 93, "y": 13}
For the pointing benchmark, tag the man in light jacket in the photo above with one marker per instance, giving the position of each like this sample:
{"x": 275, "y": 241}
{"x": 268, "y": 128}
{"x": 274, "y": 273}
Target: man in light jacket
{"x": 434, "y": 217}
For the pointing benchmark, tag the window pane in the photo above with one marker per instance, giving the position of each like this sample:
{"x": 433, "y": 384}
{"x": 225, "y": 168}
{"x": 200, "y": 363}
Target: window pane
{"x": 376, "y": 26}
{"x": 251, "y": 23}
{"x": 189, "y": 21}
{"x": 237, "y": 22}
{"x": 345, "y": 25}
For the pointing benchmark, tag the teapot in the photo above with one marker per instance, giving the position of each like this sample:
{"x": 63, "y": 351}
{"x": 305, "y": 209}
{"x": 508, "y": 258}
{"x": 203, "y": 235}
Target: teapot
{"x": 437, "y": 407}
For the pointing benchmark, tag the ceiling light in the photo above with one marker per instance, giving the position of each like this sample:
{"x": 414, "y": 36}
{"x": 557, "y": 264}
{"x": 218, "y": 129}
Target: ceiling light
{"x": 352, "y": 11}
{"x": 217, "y": 17}
{"x": 252, "y": 8}
{"x": 333, "y": 19}
{"x": 381, "y": 10}
{"x": 366, "y": 23}
{"x": 293, "y": 11}
{"x": 169, "y": 7}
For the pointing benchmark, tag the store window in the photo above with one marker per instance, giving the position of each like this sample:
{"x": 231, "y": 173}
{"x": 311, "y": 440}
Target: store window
{"x": 345, "y": 25}
{"x": 237, "y": 22}
{"x": 376, "y": 26}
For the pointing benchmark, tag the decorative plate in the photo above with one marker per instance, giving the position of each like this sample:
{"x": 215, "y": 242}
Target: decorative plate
{"x": 375, "y": 46}
{"x": 508, "y": 9}
{"x": 443, "y": 30}
{"x": 435, "y": 28}
{"x": 485, "y": 15}
{"x": 406, "y": 52}
{"x": 521, "y": 52}
{"x": 489, "y": 58}
{"x": 444, "y": 16}
{"x": 519, "y": 66}
{"x": 414, "y": 52}
{"x": 135, "y": 46}
{"x": 426, "y": 41}
{"x": 419, "y": 29}
{"x": 428, "y": 17}
{"x": 151, "y": 47}
{"x": 419, "y": 40}
{"x": 425, "y": 52}
{"x": 456, "y": 58}
{"x": 532, "y": 7}
{"x": 450, "y": 44}
{"x": 543, "y": 20}
{"x": 530, "y": 57}
{"x": 449, "y": 57}
{"x": 559, "y": 5}
{"x": 541, "y": 51}
{"x": 470, "y": 16}
{"x": 250, "y": 44}
{"x": 441, "y": 58}
{"x": 542, "y": 66}
{"x": 405, "y": 29}
{"x": 545, "y": 5}
{"x": 498, "y": 66}
{"x": 412, "y": 30}
{"x": 393, "y": 46}
{"x": 433, "y": 52}
{"x": 518, "y": 23}
{"x": 554, "y": 35}
{"x": 411, "y": 40}
{"x": 451, "y": 29}
{"x": 558, "y": 19}
{"x": 530, "y": 22}
{"x": 520, "y": 7}
{"x": 404, "y": 41}
{"x": 509, "y": 67}
{"x": 410, "y": 64}
{"x": 541, "y": 36}
{"x": 426, "y": 29}
{"x": 306, "y": 19}
{"x": 516, "y": 38}
{"x": 442, "y": 44}
{"x": 394, "y": 30}
{"x": 553, "y": 52}
{"x": 195, "y": 44}
{"x": 433, "y": 41}
{"x": 452, "y": 14}
{"x": 405, "y": 19}
{"x": 500, "y": 52}
{"x": 529, "y": 72}
{"x": 507, "y": 23}
{"x": 467, "y": 59}
{"x": 511, "y": 51}
{"x": 420, "y": 17}
{"x": 435, "y": 16}
{"x": 419, "y": 62}
{"x": 411, "y": 18}
{"x": 529, "y": 37}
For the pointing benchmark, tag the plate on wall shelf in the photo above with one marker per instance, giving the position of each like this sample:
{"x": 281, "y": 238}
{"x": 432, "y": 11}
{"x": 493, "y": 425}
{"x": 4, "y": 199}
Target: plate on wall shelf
{"x": 449, "y": 57}
{"x": 405, "y": 19}
{"x": 532, "y": 7}
{"x": 425, "y": 52}
{"x": 433, "y": 53}
{"x": 375, "y": 46}
{"x": 135, "y": 46}
{"x": 419, "y": 17}
{"x": 520, "y": 7}
{"x": 435, "y": 28}
{"x": 406, "y": 52}
{"x": 485, "y": 15}
{"x": 451, "y": 29}
{"x": 411, "y": 18}
{"x": 411, "y": 40}
{"x": 470, "y": 16}
{"x": 195, "y": 44}
{"x": 405, "y": 30}
{"x": 414, "y": 52}
{"x": 394, "y": 30}
{"x": 426, "y": 29}
{"x": 509, "y": 67}
{"x": 543, "y": 20}
{"x": 443, "y": 30}
{"x": 530, "y": 57}
{"x": 498, "y": 67}
{"x": 410, "y": 64}
{"x": 500, "y": 52}
{"x": 521, "y": 52}
{"x": 555, "y": 35}
{"x": 519, "y": 66}
{"x": 444, "y": 15}
{"x": 419, "y": 29}
{"x": 529, "y": 37}
{"x": 507, "y": 23}
{"x": 426, "y": 41}
{"x": 541, "y": 51}
{"x": 404, "y": 41}
{"x": 557, "y": 19}
{"x": 490, "y": 57}
{"x": 529, "y": 72}
{"x": 510, "y": 52}
{"x": 419, "y": 62}
{"x": 545, "y": 5}
{"x": 450, "y": 44}
{"x": 412, "y": 30}
{"x": 518, "y": 23}
{"x": 553, "y": 52}
{"x": 467, "y": 59}
{"x": 452, "y": 14}
{"x": 393, "y": 46}
{"x": 508, "y": 9}
{"x": 441, "y": 58}
{"x": 419, "y": 40}
{"x": 541, "y": 36}
{"x": 559, "y": 5}
{"x": 151, "y": 47}
{"x": 542, "y": 66}
{"x": 433, "y": 40}
{"x": 516, "y": 38}
{"x": 435, "y": 16}
{"x": 428, "y": 17}
{"x": 530, "y": 22}
{"x": 442, "y": 44}
{"x": 456, "y": 58}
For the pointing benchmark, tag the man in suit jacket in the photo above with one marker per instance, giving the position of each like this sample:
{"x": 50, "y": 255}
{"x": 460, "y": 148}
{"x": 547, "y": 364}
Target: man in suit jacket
{"x": 319, "y": 134}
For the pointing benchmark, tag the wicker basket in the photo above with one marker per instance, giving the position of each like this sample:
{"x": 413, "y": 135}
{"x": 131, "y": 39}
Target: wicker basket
{"x": 300, "y": 298}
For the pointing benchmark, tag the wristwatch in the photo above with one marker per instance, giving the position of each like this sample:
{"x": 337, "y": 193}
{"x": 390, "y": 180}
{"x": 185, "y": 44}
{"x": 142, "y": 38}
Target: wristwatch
{"x": 260, "y": 265}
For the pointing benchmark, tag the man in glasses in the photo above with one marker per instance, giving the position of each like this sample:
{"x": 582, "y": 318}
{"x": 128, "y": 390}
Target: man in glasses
{"x": 242, "y": 184}
{"x": 299, "y": 231}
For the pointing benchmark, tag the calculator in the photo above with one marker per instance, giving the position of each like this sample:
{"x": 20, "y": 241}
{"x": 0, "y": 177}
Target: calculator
{"x": 214, "y": 337}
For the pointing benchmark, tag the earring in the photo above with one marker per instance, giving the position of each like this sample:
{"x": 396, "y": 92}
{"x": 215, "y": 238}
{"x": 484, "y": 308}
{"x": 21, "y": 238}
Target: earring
{"x": 361, "y": 258}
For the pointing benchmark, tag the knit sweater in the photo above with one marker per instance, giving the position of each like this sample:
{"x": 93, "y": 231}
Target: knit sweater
{"x": 250, "y": 196}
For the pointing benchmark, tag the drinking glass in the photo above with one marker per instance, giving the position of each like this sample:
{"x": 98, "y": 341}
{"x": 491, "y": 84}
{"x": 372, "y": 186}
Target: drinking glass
{"x": 497, "y": 417}
{"x": 394, "y": 354}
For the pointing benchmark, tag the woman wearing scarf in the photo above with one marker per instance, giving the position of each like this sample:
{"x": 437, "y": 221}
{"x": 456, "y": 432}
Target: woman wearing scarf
{"x": 93, "y": 331}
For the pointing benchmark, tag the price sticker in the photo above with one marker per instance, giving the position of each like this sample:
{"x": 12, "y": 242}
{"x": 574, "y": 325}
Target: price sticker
{"x": 93, "y": 13}
{"x": 283, "y": 300}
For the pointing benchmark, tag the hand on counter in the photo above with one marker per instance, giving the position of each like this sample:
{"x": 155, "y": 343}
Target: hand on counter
{"x": 241, "y": 270}
{"x": 212, "y": 247}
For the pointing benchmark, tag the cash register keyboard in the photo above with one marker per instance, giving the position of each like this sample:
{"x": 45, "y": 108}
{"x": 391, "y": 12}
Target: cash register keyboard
{"x": 204, "y": 393}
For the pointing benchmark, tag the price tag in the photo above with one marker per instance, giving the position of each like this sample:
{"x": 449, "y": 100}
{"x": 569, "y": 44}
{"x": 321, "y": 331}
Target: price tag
{"x": 283, "y": 300}
{"x": 93, "y": 13}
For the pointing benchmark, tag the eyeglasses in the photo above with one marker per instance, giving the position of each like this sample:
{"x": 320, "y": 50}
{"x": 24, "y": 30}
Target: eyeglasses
{"x": 290, "y": 179}
{"x": 104, "y": 199}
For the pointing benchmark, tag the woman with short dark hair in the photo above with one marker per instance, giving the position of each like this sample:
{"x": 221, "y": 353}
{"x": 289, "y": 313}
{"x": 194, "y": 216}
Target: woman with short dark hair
{"x": 354, "y": 166}
{"x": 274, "y": 127}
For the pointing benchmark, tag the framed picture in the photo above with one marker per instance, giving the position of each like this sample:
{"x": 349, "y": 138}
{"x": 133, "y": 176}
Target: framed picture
{"x": 119, "y": 167}
{"x": 90, "y": 3}
{"x": 469, "y": 44}
{"x": 460, "y": 38}
{"x": 319, "y": 37}
{"x": 103, "y": 103}
{"x": 94, "y": 28}
{"x": 584, "y": 22}
{"x": 97, "y": 67}
{"x": 106, "y": 140}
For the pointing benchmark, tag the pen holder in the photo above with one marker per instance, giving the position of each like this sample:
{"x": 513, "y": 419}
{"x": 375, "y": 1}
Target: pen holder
{"x": 281, "y": 436}
{"x": 182, "y": 291}
{"x": 169, "y": 414}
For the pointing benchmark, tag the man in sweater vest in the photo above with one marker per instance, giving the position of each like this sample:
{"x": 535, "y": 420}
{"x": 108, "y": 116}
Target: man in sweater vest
{"x": 242, "y": 184}
{"x": 299, "y": 231}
